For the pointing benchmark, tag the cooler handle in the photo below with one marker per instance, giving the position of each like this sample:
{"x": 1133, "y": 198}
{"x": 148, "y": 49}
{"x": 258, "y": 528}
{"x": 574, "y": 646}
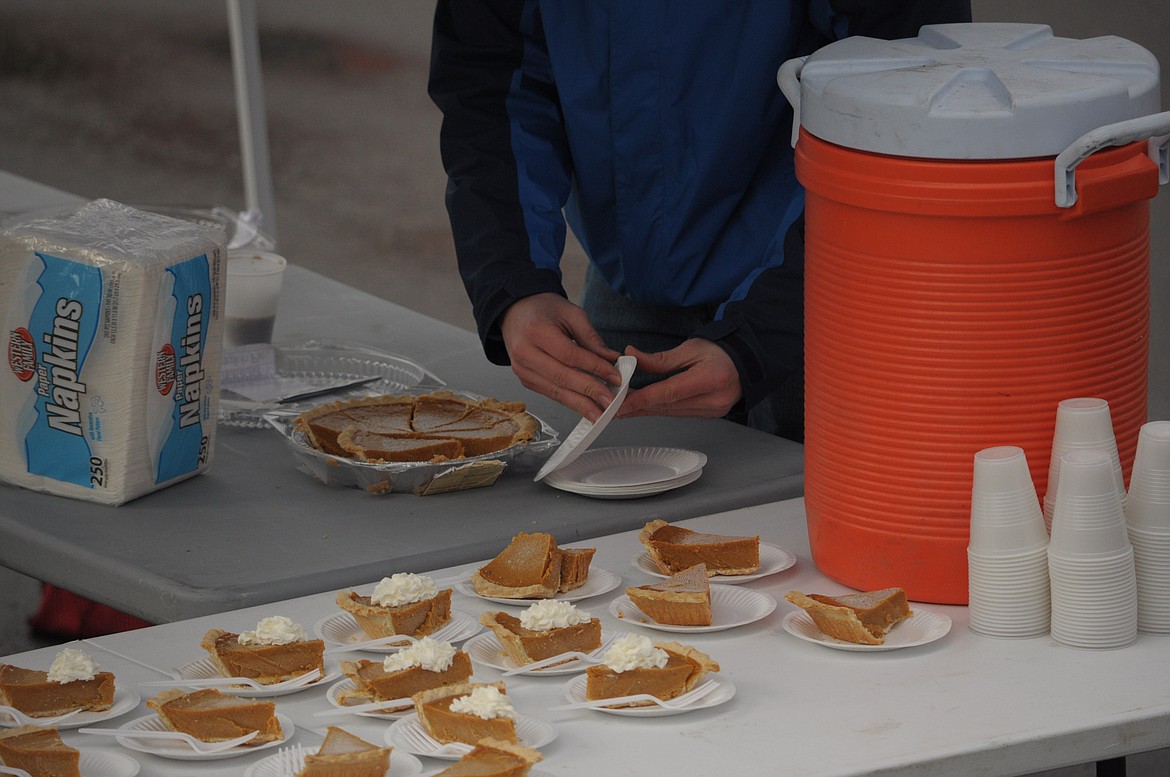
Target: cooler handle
{"x": 1155, "y": 129}
{"x": 788, "y": 78}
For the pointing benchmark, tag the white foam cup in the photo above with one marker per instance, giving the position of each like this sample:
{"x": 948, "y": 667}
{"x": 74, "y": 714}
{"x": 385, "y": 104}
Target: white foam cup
{"x": 251, "y": 294}
{"x": 1088, "y": 518}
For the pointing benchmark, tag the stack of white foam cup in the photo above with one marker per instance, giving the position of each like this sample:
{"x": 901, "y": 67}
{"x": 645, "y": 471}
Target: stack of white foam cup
{"x": 1090, "y": 559}
{"x": 1081, "y": 422}
{"x": 1007, "y": 559}
{"x": 1147, "y": 514}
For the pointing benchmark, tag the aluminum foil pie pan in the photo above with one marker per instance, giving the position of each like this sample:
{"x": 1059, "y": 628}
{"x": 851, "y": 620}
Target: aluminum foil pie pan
{"x": 410, "y": 477}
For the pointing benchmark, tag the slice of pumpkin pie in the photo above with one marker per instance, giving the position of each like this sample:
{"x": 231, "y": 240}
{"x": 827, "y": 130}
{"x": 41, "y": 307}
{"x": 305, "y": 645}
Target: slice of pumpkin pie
{"x": 683, "y": 599}
{"x": 212, "y": 716}
{"x": 675, "y": 548}
{"x": 39, "y": 751}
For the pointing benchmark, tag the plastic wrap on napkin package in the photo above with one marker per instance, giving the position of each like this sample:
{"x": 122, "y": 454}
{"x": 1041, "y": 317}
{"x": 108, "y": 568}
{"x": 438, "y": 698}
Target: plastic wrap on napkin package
{"x": 112, "y": 317}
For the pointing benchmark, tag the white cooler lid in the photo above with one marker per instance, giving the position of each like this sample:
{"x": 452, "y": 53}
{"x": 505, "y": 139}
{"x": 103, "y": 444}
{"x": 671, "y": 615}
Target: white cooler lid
{"x": 973, "y": 91}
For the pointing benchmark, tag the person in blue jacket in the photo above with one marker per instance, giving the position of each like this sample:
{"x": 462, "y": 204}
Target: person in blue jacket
{"x": 656, "y": 131}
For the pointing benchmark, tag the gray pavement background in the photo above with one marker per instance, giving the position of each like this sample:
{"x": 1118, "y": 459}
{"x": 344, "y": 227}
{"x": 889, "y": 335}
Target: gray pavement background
{"x": 133, "y": 100}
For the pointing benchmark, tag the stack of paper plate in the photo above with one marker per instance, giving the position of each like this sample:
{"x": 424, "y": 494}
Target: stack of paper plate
{"x": 618, "y": 473}
{"x": 625, "y": 473}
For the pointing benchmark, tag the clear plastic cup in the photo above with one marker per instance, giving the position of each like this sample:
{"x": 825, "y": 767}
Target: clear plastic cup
{"x": 1081, "y": 422}
{"x": 1147, "y": 506}
{"x": 251, "y": 294}
{"x": 1088, "y": 518}
{"x": 1005, "y": 511}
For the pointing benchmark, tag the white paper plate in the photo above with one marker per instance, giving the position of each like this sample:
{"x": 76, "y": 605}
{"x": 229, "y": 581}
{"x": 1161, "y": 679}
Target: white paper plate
{"x": 204, "y": 669}
{"x": 402, "y": 764}
{"x": 124, "y": 701}
{"x": 600, "y": 581}
{"x": 95, "y": 763}
{"x": 575, "y": 693}
{"x": 340, "y": 630}
{"x": 178, "y": 750}
{"x": 334, "y": 697}
{"x": 586, "y": 431}
{"x": 730, "y": 607}
{"x": 773, "y": 559}
{"x": 920, "y": 628}
{"x": 630, "y": 492}
{"x": 620, "y": 469}
{"x": 486, "y": 649}
{"x": 408, "y": 734}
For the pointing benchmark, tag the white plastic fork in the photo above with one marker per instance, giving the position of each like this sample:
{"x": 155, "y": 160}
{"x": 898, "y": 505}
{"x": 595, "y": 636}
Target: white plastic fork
{"x": 290, "y": 760}
{"x": 691, "y": 696}
{"x": 14, "y": 771}
{"x": 28, "y": 720}
{"x": 592, "y": 657}
{"x": 393, "y": 640}
{"x": 373, "y": 706}
{"x": 218, "y": 682}
{"x": 197, "y": 745}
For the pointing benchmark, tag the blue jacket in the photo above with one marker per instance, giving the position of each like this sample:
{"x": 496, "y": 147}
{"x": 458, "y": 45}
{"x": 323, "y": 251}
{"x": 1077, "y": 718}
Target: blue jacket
{"x": 655, "y": 128}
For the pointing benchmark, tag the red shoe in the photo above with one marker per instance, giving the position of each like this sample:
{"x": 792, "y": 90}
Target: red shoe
{"x": 66, "y": 615}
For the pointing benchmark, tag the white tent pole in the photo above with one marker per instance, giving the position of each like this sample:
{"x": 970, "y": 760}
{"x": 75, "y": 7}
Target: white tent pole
{"x": 245, "y": 46}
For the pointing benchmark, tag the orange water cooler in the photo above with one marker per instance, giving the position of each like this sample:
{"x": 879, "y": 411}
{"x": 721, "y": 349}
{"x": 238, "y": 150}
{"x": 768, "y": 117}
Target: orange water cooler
{"x": 977, "y": 249}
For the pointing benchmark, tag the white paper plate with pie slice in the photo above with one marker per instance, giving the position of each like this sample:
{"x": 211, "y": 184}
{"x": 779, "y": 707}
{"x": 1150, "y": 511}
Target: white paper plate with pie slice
{"x": 125, "y": 700}
{"x": 773, "y": 559}
{"x": 181, "y": 751}
{"x": 341, "y": 630}
{"x": 731, "y": 606}
{"x": 575, "y": 694}
{"x": 205, "y": 669}
{"x": 600, "y": 581}
{"x": 486, "y": 649}
{"x": 923, "y": 627}
{"x": 95, "y": 763}
{"x": 402, "y": 764}
{"x": 408, "y": 733}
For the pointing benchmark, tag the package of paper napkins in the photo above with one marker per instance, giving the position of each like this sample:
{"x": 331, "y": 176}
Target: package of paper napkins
{"x": 113, "y": 319}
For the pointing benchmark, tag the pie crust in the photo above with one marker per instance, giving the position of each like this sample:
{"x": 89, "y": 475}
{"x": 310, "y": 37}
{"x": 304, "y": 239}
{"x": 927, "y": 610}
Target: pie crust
{"x": 494, "y": 758}
{"x": 266, "y": 664}
{"x": 674, "y": 548}
{"x": 533, "y": 567}
{"x": 684, "y": 668}
{"x": 439, "y": 426}
{"x": 372, "y": 682}
{"x": 344, "y": 755}
{"x": 417, "y": 619}
{"x": 33, "y": 693}
{"x": 863, "y": 618}
{"x": 211, "y": 716}
{"x": 526, "y": 645}
{"x": 683, "y": 599}
{"x": 434, "y": 713}
{"x": 39, "y": 751}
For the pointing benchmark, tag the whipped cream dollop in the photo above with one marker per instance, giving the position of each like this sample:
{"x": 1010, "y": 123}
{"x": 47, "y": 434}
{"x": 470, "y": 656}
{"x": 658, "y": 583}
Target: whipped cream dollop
{"x": 430, "y": 654}
{"x": 634, "y": 651}
{"x": 403, "y": 588}
{"x": 485, "y": 702}
{"x": 552, "y": 614}
{"x": 70, "y": 665}
{"x": 276, "y": 630}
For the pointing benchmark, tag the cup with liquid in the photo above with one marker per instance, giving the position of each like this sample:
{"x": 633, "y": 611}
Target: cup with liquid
{"x": 251, "y": 294}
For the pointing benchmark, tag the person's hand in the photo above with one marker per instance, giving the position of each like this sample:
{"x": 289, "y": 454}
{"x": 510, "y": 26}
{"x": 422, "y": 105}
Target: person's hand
{"x": 706, "y": 384}
{"x": 555, "y": 351}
